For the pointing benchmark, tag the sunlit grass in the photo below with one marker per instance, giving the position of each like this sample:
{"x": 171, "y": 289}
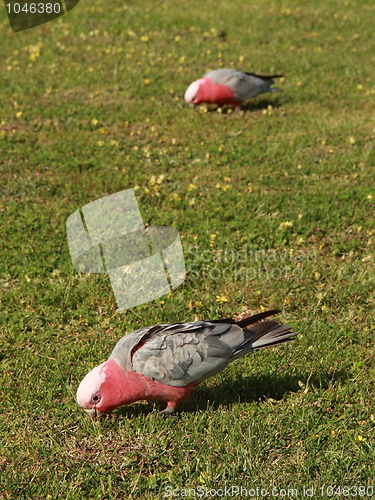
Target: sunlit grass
{"x": 275, "y": 207}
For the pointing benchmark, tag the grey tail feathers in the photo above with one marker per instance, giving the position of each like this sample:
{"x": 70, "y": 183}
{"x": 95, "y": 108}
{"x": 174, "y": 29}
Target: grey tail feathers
{"x": 274, "y": 89}
{"x": 265, "y": 334}
{"x": 268, "y": 79}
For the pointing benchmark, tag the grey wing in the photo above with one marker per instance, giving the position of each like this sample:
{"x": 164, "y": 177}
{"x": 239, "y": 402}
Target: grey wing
{"x": 122, "y": 352}
{"x": 221, "y": 76}
{"x": 244, "y": 85}
{"x": 190, "y": 352}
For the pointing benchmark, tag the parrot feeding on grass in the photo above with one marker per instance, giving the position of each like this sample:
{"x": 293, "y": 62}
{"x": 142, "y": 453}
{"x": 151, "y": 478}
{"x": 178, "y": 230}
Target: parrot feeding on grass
{"x": 166, "y": 362}
{"x": 228, "y": 86}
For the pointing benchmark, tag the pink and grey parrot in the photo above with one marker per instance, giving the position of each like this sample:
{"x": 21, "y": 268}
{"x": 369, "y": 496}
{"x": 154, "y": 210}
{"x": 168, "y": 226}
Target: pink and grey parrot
{"x": 228, "y": 86}
{"x": 166, "y": 362}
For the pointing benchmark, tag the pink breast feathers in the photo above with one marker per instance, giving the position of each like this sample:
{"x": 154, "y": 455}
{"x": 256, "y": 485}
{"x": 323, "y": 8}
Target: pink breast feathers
{"x": 215, "y": 93}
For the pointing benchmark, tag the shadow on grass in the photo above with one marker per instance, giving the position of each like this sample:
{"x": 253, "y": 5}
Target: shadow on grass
{"x": 260, "y": 104}
{"x": 250, "y": 106}
{"x": 254, "y": 389}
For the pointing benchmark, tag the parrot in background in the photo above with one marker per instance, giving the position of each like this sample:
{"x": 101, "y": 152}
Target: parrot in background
{"x": 228, "y": 86}
{"x": 166, "y": 362}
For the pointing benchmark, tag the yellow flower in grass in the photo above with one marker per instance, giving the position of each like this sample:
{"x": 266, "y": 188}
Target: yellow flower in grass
{"x": 285, "y": 225}
{"x": 213, "y": 237}
{"x": 221, "y": 298}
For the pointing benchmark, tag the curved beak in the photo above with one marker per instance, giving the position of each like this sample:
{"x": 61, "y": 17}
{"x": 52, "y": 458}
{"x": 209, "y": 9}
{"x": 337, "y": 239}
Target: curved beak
{"x": 93, "y": 413}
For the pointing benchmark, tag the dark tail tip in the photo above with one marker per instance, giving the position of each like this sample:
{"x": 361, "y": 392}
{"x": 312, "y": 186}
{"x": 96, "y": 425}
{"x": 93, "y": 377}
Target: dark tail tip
{"x": 257, "y": 317}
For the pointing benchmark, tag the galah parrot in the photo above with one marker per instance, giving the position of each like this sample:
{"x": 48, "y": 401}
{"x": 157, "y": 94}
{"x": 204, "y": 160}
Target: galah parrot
{"x": 166, "y": 362}
{"x": 228, "y": 86}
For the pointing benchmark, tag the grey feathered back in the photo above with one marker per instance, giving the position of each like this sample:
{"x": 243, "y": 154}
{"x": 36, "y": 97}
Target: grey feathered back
{"x": 181, "y": 353}
{"x": 244, "y": 85}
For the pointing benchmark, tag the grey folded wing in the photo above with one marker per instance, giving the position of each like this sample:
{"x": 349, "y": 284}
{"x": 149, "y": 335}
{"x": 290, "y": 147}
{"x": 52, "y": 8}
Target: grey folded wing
{"x": 243, "y": 85}
{"x": 182, "y": 353}
{"x": 190, "y": 352}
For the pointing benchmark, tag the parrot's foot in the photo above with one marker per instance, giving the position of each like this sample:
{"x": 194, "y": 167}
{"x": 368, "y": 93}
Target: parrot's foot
{"x": 238, "y": 108}
{"x": 169, "y": 409}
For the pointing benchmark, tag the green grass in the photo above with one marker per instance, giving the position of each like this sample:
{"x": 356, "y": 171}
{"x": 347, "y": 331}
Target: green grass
{"x": 288, "y": 182}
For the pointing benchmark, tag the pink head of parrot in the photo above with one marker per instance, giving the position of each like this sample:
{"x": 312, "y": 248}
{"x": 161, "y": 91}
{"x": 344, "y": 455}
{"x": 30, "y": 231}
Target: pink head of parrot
{"x": 108, "y": 386}
{"x": 103, "y": 389}
{"x": 192, "y": 91}
{"x": 205, "y": 90}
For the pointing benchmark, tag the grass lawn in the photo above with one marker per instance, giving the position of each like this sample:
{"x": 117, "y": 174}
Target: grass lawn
{"x": 275, "y": 206}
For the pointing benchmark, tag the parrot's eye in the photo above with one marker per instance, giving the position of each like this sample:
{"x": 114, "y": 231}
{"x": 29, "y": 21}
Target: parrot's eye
{"x": 95, "y": 399}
